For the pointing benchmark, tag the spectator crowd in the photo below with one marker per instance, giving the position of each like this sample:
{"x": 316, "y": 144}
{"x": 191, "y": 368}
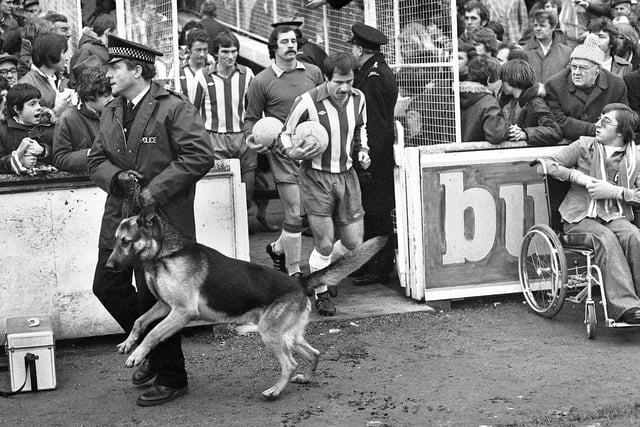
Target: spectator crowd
{"x": 543, "y": 71}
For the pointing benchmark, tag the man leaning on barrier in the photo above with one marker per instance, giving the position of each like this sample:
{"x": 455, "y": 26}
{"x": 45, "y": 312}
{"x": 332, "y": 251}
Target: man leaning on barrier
{"x": 605, "y": 186}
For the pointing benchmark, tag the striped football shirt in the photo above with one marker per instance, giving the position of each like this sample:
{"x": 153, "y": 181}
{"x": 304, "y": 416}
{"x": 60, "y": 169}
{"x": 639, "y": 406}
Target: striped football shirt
{"x": 191, "y": 85}
{"x": 223, "y": 107}
{"x": 346, "y": 126}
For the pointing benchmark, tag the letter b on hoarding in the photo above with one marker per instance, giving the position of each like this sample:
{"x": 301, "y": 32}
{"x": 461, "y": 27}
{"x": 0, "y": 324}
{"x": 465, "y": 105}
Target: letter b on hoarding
{"x": 461, "y": 248}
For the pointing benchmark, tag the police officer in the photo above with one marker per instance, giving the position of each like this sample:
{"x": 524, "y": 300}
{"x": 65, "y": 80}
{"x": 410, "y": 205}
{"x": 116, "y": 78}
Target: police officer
{"x": 376, "y": 80}
{"x": 154, "y": 137}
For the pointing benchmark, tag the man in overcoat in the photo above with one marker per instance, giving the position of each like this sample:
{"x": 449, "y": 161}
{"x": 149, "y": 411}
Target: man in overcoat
{"x": 577, "y": 94}
{"x": 156, "y": 138}
{"x": 376, "y": 80}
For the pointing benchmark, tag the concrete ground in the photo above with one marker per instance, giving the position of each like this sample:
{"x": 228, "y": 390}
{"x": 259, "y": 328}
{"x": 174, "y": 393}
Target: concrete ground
{"x": 352, "y": 301}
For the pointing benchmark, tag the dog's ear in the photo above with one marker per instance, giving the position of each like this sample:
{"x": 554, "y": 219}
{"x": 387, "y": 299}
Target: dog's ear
{"x": 146, "y": 217}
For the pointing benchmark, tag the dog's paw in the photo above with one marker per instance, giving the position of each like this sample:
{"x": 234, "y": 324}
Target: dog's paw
{"x": 137, "y": 357}
{"x": 246, "y": 329}
{"x": 125, "y": 346}
{"x": 301, "y": 378}
{"x": 270, "y": 394}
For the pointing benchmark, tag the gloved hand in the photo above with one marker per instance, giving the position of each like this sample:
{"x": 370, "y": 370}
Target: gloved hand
{"x": 581, "y": 178}
{"x": 599, "y": 189}
{"x": 145, "y": 198}
{"x": 126, "y": 181}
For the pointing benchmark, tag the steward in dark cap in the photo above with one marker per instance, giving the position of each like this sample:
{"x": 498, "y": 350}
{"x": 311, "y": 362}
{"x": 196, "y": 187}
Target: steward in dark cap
{"x": 367, "y": 37}
{"x": 378, "y": 83}
{"x": 308, "y": 52}
{"x": 151, "y": 148}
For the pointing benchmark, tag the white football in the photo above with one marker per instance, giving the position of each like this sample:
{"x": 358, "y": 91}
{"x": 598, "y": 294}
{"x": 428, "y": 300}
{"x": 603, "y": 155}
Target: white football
{"x": 312, "y": 132}
{"x": 266, "y": 130}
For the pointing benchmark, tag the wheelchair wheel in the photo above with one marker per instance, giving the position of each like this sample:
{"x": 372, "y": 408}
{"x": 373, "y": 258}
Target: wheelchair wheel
{"x": 543, "y": 270}
{"x": 590, "y": 319}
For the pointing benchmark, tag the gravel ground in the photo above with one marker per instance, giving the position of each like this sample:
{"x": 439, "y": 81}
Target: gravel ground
{"x": 484, "y": 362}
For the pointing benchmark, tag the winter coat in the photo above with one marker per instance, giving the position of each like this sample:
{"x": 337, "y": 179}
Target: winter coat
{"x": 167, "y": 144}
{"x": 577, "y": 111}
{"x": 74, "y": 134}
{"x": 620, "y": 67}
{"x": 481, "y": 118}
{"x": 376, "y": 80}
{"x": 534, "y": 117}
{"x": 632, "y": 81}
{"x": 11, "y": 135}
{"x": 88, "y": 46}
{"x": 555, "y": 61}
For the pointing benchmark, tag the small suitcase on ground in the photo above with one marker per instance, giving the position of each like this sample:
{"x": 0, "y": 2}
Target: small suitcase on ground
{"x": 29, "y": 345}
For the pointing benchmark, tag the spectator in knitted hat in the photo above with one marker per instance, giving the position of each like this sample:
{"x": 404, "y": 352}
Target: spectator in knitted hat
{"x": 577, "y": 94}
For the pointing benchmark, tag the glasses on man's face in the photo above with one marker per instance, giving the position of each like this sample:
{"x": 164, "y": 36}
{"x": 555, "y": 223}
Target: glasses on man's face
{"x": 581, "y": 68}
{"x": 606, "y": 121}
{"x": 5, "y": 73}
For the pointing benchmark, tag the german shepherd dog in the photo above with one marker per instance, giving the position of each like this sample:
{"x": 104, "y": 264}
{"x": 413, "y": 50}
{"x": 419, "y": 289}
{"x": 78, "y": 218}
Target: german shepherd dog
{"x": 191, "y": 281}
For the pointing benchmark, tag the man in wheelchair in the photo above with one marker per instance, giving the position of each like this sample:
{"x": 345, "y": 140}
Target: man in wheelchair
{"x": 605, "y": 186}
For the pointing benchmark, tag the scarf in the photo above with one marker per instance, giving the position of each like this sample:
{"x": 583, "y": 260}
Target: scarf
{"x": 626, "y": 175}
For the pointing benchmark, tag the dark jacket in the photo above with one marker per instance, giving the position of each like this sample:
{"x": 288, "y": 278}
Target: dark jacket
{"x": 481, "y": 118}
{"x": 212, "y": 27}
{"x": 577, "y": 111}
{"x": 376, "y": 80}
{"x": 88, "y": 46}
{"x": 12, "y": 133}
{"x": 74, "y": 134}
{"x": 632, "y": 81}
{"x": 311, "y": 53}
{"x": 534, "y": 118}
{"x": 620, "y": 66}
{"x": 167, "y": 144}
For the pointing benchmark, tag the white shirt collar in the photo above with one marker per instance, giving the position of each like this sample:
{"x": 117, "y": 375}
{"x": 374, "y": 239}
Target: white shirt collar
{"x": 279, "y": 71}
{"x": 139, "y": 96}
{"x": 51, "y": 79}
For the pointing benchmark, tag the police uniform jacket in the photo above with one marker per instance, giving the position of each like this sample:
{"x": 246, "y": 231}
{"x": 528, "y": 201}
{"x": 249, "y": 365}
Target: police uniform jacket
{"x": 380, "y": 88}
{"x": 167, "y": 143}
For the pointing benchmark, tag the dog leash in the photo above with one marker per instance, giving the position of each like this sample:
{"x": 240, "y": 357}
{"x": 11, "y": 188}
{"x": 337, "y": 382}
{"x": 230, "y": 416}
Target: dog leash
{"x": 29, "y": 368}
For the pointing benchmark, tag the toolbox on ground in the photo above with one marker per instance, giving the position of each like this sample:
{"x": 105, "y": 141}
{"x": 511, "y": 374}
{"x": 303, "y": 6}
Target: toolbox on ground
{"x": 29, "y": 345}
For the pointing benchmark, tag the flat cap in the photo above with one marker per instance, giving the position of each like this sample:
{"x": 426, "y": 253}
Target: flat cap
{"x": 120, "y": 49}
{"x": 617, "y": 2}
{"x": 292, "y": 23}
{"x": 367, "y": 37}
{"x": 5, "y": 57}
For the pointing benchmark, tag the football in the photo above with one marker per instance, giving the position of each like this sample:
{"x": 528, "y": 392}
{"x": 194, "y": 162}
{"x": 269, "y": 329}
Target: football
{"x": 312, "y": 132}
{"x": 266, "y": 130}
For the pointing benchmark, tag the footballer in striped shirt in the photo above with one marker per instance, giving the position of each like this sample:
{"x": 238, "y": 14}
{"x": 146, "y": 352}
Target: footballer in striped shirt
{"x": 329, "y": 185}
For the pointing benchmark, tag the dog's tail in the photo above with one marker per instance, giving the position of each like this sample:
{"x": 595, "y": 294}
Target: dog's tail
{"x": 350, "y": 262}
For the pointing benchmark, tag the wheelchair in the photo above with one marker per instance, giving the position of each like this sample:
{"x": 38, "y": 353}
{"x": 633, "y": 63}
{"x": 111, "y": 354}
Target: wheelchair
{"x": 555, "y": 266}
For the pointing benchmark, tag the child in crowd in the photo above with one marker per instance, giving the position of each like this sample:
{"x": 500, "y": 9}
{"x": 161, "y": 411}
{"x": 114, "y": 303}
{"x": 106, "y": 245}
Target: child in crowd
{"x": 481, "y": 118}
{"x": 78, "y": 126}
{"x": 528, "y": 115}
{"x": 26, "y": 133}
